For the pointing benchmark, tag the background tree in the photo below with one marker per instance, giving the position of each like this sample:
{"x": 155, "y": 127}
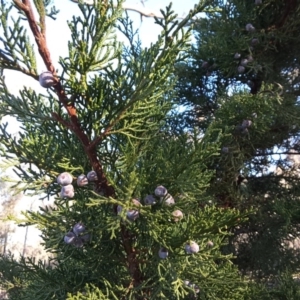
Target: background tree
{"x": 242, "y": 78}
{"x": 141, "y": 224}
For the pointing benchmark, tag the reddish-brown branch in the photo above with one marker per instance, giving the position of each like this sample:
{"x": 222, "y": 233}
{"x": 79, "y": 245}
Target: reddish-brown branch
{"x": 133, "y": 265}
{"x": 39, "y": 37}
{"x": 59, "y": 119}
{"x": 69, "y": 107}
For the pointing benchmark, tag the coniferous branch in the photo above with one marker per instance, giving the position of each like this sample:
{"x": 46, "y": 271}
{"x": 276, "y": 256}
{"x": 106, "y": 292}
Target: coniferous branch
{"x": 161, "y": 53}
{"x": 17, "y": 50}
{"x": 13, "y": 65}
{"x": 40, "y": 39}
{"x": 39, "y": 35}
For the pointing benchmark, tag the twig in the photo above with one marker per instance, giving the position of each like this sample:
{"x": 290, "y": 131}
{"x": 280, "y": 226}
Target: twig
{"x": 141, "y": 10}
{"x": 13, "y": 65}
{"x": 276, "y": 153}
{"x": 144, "y": 12}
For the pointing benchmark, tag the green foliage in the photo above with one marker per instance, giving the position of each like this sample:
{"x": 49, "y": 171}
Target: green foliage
{"x": 16, "y": 51}
{"x": 111, "y": 110}
{"x": 258, "y": 167}
{"x": 282, "y": 287}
